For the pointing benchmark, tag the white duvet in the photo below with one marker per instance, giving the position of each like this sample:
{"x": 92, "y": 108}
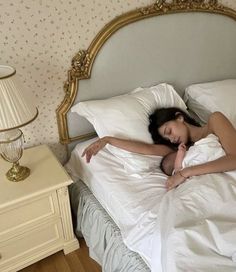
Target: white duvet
{"x": 191, "y": 228}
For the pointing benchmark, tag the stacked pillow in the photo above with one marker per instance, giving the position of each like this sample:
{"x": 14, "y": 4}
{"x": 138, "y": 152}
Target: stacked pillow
{"x": 206, "y": 98}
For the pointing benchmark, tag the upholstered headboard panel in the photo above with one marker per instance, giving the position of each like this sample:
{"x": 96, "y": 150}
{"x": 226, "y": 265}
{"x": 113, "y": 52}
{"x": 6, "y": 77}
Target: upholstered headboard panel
{"x": 179, "y": 48}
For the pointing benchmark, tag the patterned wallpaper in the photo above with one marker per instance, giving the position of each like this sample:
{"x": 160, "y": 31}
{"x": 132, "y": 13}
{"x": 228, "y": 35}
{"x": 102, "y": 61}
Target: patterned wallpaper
{"x": 40, "y": 37}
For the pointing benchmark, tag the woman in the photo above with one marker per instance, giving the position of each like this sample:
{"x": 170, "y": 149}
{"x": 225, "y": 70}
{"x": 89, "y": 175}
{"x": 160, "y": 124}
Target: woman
{"x": 170, "y": 127}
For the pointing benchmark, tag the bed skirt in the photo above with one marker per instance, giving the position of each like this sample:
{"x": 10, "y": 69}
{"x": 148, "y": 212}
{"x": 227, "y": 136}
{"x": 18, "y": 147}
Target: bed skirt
{"x": 101, "y": 234}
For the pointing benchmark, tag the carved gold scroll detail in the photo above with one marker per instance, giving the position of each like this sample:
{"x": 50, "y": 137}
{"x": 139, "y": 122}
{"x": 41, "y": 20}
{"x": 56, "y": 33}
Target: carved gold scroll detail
{"x": 165, "y": 6}
{"x": 79, "y": 70}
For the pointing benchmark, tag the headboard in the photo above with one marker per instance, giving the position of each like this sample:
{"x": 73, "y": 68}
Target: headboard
{"x": 179, "y": 42}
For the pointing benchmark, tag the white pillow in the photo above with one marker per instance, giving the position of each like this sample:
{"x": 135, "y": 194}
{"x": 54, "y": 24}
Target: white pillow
{"x": 206, "y": 98}
{"x": 127, "y": 116}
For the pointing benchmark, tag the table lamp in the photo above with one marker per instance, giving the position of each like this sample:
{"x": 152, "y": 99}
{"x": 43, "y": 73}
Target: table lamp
{"x": 16, "y": 110}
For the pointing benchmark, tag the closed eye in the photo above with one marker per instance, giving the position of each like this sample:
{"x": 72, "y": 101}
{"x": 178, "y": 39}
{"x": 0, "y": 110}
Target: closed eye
{"x": 167, "y": 132}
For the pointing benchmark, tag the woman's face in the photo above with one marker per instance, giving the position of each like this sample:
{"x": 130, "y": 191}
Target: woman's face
{"x": 175, "y": 131}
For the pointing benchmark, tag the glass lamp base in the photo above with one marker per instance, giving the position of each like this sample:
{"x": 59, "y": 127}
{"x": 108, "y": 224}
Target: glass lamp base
{"x": 17, "y": 172}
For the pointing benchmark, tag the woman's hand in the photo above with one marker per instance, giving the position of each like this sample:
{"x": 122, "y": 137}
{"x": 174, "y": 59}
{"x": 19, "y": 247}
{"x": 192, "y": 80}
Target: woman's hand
{"x": 94, "y": 148}
{"x": 175, "y": 180}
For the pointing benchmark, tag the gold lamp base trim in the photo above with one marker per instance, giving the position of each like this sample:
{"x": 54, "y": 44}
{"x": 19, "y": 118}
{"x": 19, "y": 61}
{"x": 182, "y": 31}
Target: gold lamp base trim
{"x": 17, "y": 172}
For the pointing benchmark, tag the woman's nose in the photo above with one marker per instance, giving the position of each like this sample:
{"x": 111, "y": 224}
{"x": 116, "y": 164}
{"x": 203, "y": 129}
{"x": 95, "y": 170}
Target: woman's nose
{"x": 171, "y": 139}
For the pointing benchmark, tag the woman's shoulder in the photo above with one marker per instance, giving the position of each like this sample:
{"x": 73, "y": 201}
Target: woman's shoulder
{"x": 217, "y": 115}
{"x": 214, "y": 122}
{"x": 218, "y": 122}
{"x": 216, "y": 119}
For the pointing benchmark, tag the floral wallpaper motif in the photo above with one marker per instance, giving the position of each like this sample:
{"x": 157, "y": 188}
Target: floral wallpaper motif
{"x": 40, "y": 37}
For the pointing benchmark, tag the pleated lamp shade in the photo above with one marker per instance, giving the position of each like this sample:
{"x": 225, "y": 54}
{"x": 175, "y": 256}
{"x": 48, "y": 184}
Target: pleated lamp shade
{"x": 16, "y": 105}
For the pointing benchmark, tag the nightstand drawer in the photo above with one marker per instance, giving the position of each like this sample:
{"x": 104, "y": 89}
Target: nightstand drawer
{"x": 34, "y": 243}
{"x": 28, "y": 213}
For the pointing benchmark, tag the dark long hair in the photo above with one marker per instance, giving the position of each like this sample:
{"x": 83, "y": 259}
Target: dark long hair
{"x": 163, "y": 115}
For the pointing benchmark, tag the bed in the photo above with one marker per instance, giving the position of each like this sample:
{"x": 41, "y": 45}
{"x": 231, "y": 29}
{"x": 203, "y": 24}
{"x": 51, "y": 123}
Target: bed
{"x": 153, "y": 55}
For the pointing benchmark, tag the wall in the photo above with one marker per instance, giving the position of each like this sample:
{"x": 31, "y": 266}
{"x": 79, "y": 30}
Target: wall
{"x": 40, "y": 37}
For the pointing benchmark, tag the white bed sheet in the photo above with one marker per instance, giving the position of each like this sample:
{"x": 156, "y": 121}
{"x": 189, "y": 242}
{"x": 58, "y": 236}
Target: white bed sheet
{"x": 191, "y": 228}
{"x": 132, "y": 200}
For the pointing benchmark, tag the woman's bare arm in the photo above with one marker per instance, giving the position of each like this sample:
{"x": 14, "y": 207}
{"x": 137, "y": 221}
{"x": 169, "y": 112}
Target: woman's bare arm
{"x": 128, "y": 145}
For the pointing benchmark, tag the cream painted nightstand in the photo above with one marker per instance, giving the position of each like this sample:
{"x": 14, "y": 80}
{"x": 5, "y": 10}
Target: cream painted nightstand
{"x": 35, "y": 216}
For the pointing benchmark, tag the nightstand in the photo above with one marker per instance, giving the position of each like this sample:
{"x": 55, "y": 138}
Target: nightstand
{"x": 35, "y": 216}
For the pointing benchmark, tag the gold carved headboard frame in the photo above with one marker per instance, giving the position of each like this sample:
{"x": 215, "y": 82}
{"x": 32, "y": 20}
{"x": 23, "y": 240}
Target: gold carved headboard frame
{"x": 82, "y": 62}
